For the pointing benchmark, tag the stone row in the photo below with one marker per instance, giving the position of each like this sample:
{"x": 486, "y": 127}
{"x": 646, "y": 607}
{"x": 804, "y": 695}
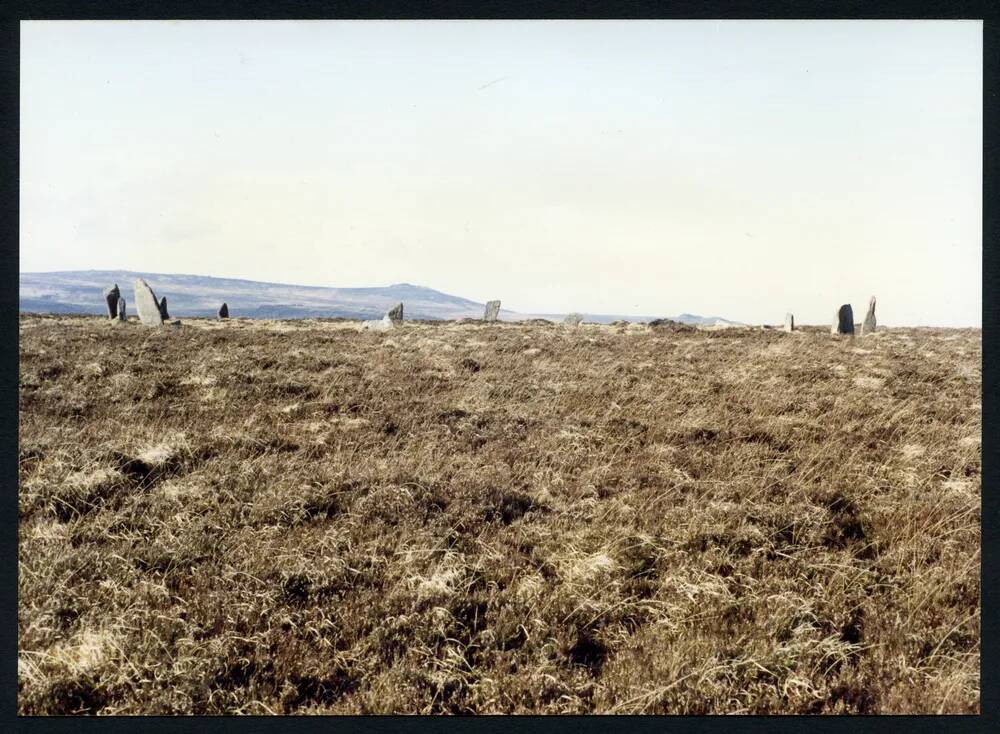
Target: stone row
{"x": 153, "y": 312}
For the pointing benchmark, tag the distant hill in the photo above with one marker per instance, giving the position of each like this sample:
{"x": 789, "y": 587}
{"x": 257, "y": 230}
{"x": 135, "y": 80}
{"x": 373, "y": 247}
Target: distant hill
{"x": 197, "y": 295}
{"x": 81, "y": 291}
{"x": 688, "y": 318}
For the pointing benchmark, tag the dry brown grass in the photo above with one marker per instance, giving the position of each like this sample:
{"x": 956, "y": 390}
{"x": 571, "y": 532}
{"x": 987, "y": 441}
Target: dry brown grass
{"x": 281, "y": 517}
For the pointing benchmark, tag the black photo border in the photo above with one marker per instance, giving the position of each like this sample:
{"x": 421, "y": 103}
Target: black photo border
{"x": 11, "y": 13}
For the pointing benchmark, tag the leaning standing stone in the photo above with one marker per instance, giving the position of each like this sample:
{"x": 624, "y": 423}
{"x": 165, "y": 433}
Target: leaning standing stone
{"x": 789, "y": 322}
{"x": 163, "y": 308}
{"x": 573, "y": 319}
{"x": 492, "y": 311}
{"x": 111, "y": 296}
{"x": 146, "y": 304}
{"x": 224, "y": 311}
{"x": 121, "y": 309}
{"x": 395, "y": 314}
{"x": 845, "y": 320}
{"x": 868, "y": 327}
{"x": 382, "y": 324}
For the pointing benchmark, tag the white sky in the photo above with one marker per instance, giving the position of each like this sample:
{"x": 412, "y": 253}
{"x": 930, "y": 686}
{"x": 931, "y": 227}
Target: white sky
{"x": 739, "y": 169}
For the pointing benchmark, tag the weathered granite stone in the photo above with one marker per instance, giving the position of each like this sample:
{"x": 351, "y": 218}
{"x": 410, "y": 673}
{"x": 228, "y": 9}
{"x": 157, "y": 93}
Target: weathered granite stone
{"x": 224, "y": 311}
{"x": 146, "y": 304}
{"x": 492, "y": 311}
{"x": 868, "y": 327}
{"x": 573, "y": 319}
{"x": 121, "y": 309}
{"x": 845, "y": 320}
{"x": 379, "y": 324}
{"x": 395, "y": 314}
{"x": 111, "y": 296}
{"x": 789, "y": 322}
{"x": 163, "y": 308}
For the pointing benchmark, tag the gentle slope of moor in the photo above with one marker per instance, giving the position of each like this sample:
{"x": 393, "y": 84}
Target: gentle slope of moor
{"x": 302, "y": 517}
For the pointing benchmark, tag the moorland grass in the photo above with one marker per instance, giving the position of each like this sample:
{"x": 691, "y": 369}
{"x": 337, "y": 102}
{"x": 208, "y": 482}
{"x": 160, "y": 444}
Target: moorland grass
{"x": 301, "y": 517}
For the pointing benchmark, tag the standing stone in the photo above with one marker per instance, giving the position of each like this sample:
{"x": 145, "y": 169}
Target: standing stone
{"x": 845, "y": 320}
{"x": 121, "y": 309}
{"x": 163, "y": 308}
{"x": 573, "y": 319}
{"x": 111, "y": 296}
{"x": 382, "y": 324}
{"x": 146, "y": 304}
{"x": 492, "y": 311}
{"x": 395, "y": 314}
{"x": 789, "y": 322}
{"x": 224, "y": 311}
{"x": 868, "y": 327}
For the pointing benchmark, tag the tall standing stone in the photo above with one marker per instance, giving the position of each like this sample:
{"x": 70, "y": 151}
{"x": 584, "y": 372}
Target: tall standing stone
{"x": 111, "y": 296}
{"x": 573, "y": 319}
{"x": 868, "y": 327}
{"x": 395, "y": 314}
{"x": 224, "y": 311}
{"x": 163, "y": 308}
{"x": 121, "y": 309}
{"x": 845, "y": 320}
{"x": 789, "y": 322}
{"x": 146, "y": 304}
{"x": 492, "y": 311}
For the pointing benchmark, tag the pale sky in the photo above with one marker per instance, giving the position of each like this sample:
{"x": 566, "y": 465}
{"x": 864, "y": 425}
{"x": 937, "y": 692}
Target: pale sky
{"x": 738, "y": 168}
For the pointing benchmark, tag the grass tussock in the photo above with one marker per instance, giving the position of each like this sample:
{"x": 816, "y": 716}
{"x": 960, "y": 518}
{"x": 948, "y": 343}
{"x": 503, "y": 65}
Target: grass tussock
{"x": 303, "y": 517}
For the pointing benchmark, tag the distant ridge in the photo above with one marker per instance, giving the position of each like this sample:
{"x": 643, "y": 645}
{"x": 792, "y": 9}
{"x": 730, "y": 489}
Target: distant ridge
{"x": 80, "y": 291}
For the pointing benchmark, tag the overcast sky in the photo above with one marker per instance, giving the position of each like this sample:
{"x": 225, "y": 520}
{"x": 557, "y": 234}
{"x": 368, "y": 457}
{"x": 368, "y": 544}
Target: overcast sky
{"x": 735, "y": 169}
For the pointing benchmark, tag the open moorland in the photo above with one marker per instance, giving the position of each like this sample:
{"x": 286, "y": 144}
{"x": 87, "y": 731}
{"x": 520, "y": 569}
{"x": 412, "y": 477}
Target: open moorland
{"x": 278, "y": 517}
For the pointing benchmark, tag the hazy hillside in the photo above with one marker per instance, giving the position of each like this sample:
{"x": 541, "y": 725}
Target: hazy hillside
{"x": 195, "y": 295}
{"x": 81, "y": 291}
